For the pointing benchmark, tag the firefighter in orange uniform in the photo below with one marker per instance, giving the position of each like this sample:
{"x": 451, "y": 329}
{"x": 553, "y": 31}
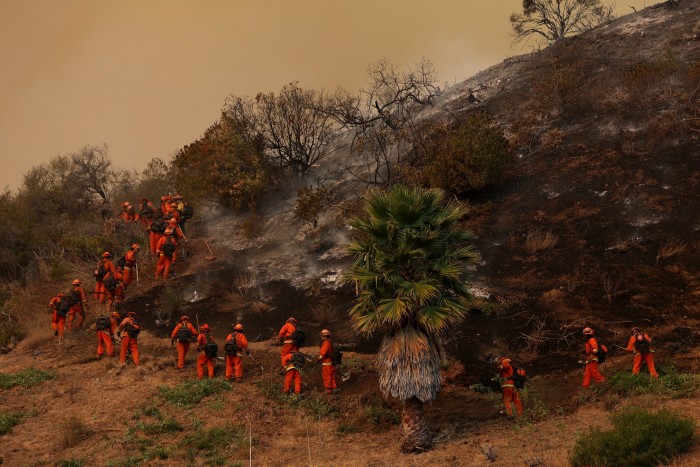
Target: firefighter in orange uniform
{"x": 127, "y": 214}
{"x": 205, "y": 358}
{"x": 166, "y": 253}
{"x": 640, "y": 344}
{"x": 236, "y": 345}
{"x": 105, "y": 327}
{"x": 131, "y": 328}
{"x": 78, "y": 305}
{"x": 510, "y": 392}
{"x": 104, "y": 269}
{"x": 147, "y": 212}
{"x": 591, "y": 370}
{"x": 59, "y": 307}
{"x": 327, "y": 366}
{"x": 175, "y": 214}
{"x": 165, "y": 204}
{"x": 155, "y": 233}
{"x": 130, "y": 267}
{"x": 290, "y": 362}
{"x": 115, "y": 288}
{"x": 182, "y": 337}
{"x": 285, "y": 336}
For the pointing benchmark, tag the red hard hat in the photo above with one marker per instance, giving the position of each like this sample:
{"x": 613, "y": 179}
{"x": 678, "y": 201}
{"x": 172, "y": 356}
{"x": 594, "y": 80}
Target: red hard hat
{"x": 588, "y": 331}
{"x": 205, "y": 328}
{"x": 131, "y": 314}
{"x": 76, "y": 281}
{"x": 184, "y": 318}
{"x": 135, "y": 246}
{"x": 292, "y": 320}
{"x": 106, "y": 254}
{"x": 238, "y": 327}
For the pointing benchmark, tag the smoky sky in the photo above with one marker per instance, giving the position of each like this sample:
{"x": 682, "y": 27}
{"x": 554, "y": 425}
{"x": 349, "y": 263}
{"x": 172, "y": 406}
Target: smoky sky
{"x": 147, "y": 77}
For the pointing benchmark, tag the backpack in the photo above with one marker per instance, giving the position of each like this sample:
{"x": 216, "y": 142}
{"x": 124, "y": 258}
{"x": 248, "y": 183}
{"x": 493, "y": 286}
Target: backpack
{"x": 101, "y": 271}
{"x": 133, "y": 330}
{"x": 602, "y": 352}
{"x": 184, "y": 334}
{"x": 157, "y": 226}
{"x": 231, "y": 347}
{"x": 211, "y": 349}
{"x": 187, "y": 212}
{"x": 643, "y": 346}
{"x": 147, "y": 212}
{"x": 298, "y": 336}
{"x": 168, "y": 248}
{"x": 111, "y": 284}
{"x": 63, "y": 306}
{"x": 337, "y": 357}
{"x": 121, "y": 262}
{"x": 519, "y": 377}
{"x": 102, "y": 323}
{"x": 298, "y": 360}
{"x": 74, "y": 298}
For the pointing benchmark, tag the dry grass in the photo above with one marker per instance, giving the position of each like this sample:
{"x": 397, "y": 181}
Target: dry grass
{"x": 73, "y": 431}
{"x": 538, "y": 240}
{"x": 611, "y": 287}
{"x": 670, "y": 248}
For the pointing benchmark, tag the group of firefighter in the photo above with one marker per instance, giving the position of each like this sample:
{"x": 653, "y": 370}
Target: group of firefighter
{"x": 512, "y": 378}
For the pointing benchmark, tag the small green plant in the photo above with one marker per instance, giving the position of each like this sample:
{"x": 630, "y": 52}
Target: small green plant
{"x": 210, "y": 443}
{"x": 192, "y": 392}
{"x": 70, "y": 463}
{"x": 156, "y": 452}
{"x": 347, "y": 428}
{"x": 147, "y": 411}
{"x": 9, "y": 420}
{"x": 132, "y": 461}
{"x": 26, "y": 378}
{"x": 380, "y": 413}
{"x": 162, "y": 427}
{"x": 638, "y": 438}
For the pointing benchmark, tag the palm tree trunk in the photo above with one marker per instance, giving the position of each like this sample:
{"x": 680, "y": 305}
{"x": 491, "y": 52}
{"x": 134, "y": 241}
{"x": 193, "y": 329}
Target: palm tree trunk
{"x": 416, "y": 435}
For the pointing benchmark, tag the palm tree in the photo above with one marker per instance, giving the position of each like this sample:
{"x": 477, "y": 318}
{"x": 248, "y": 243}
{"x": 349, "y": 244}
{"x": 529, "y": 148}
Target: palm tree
{"x": 410, "y": 273}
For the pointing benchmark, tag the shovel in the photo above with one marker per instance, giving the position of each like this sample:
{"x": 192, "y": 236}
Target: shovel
{"x": 210, "y": 256}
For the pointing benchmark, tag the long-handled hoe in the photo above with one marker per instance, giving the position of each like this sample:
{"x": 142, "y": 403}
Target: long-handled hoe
{"x": 210, "y": 256}
{"x": 255, "y": 361}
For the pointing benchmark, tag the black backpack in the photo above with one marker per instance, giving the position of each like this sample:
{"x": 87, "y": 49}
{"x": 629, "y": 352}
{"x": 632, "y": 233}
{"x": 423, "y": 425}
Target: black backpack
{"x": 168, "y": 248}
{"x": 211, "y": 349}
{"x": 184, "y": 334}
{"x": 102, "y": 323}
{"x": 187, "y": 212}
{"x": 519, "y": 377}
{"x": 642, "y": 346}
{"x": 147, "y": 212}
{"x": 133, "y": 330}
{"x": 111, "y": 284}
{"x": 101, "y": 271}
{"x": 157, "y": 226}
{"x": 298, "y": 336}
{"x": 63, "y": 306}
{"x": 231, "y": 347}
{"x": 298, "y": 360}
{"x": 74, "y": 298}
{"x": 602, "y": 351}
{"x": 337, "y": 357}
{"x": 121, "y": 262}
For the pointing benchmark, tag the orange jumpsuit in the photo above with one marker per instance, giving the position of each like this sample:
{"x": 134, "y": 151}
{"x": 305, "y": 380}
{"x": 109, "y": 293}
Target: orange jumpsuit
{"x": 288, "y": 344}
{"x": 591, "y": 370}
{"x": 104, "y": 339}
{"x": 182, "y": 347}
{"x": 128, "y": 215}
{"x": 146, "y": 215}
{"x": 116, "y": 296}
{"x": 510, "y": 392}
{"x": 129, "y": 268}
{"x": 77, "y": 308}
{"x": 58, "y": 322}
{"x": 153, "y": 239}
{"x": 639, "y": 357}
{"x": 165, "y": 204}
{"x": 176, "y": 215}
{"x": 128, "y": 342}
{"x": 164, "y": 262}
{"x": 291, "y": 374}
{"x": 100, "y": 291}
{"x": 327, "y": 367}
{"x": 234, "y": 363}
{"x": 202, "y": 360}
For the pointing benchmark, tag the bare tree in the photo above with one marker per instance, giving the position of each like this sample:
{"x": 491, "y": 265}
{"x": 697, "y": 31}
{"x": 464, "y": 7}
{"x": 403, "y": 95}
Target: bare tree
{"x": 551, "y": 20}
{"x": 385, "y": 115}
{"x": 92, "y": 171}
{"x": 294, "y": 131}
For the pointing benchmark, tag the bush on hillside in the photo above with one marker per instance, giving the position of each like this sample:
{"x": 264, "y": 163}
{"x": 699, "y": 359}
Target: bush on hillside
{"x": 310, "y": 204}
{"x": 638, "y": 438}
{"x": 474, "y": 157}
{"x": 671, "y": 384}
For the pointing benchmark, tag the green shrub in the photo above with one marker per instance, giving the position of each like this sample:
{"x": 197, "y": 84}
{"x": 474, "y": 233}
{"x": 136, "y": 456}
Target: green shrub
{"x": 9, "y": 420}
{"x": 26, "y": 378}
{"x": 472, "y": 158}
{"x": 161, "y": 427}
{"x": 672, "y": 384}
{"x": 315, "y": 404}
{"x": 70, "y": 463}
{"x": 210, "y": 443}
{"x": 156, "y": 452}
{"x": 638, "y": 438}
{"x": 345, "y": 428}
{"x": 379, "y": 412}
{"x": 192, "y": 392}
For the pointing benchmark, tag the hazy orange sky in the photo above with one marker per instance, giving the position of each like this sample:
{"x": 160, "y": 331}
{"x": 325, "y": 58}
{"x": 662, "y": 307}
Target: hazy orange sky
{"x": 147, "y": 77}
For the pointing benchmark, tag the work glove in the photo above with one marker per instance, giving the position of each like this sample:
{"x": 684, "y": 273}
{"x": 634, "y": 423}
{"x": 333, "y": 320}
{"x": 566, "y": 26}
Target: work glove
{"x": 581, "y": 362}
